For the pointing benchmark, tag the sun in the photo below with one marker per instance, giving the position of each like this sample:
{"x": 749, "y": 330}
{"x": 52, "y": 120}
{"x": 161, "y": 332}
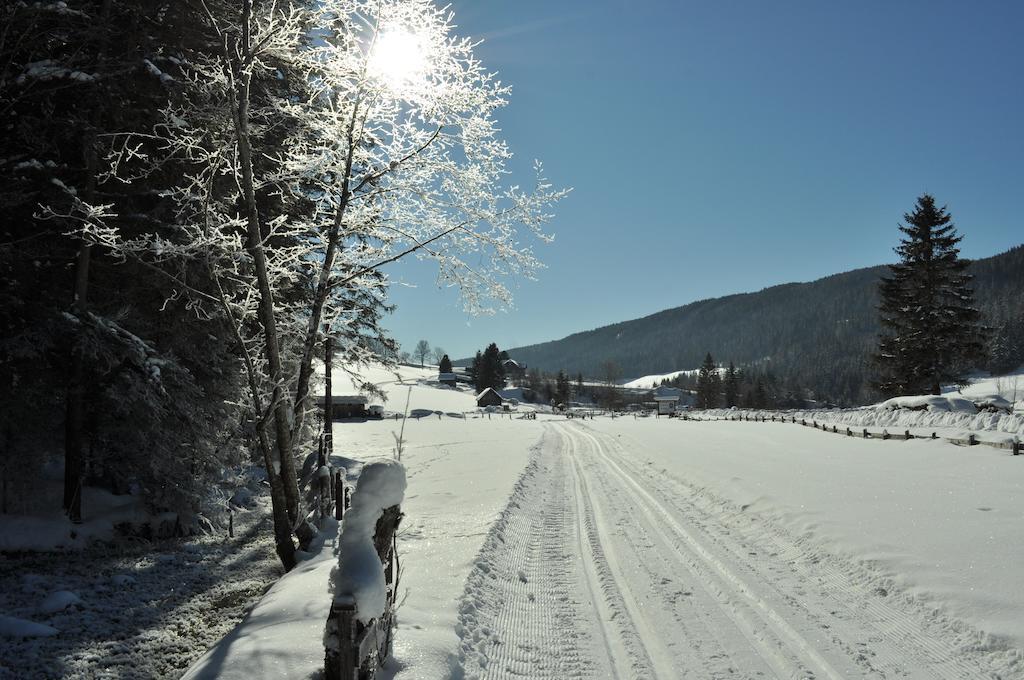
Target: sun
{"x": 398, "y": 58}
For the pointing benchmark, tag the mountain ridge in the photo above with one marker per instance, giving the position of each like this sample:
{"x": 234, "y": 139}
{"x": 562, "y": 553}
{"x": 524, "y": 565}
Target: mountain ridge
{"x": 796, "y": 330}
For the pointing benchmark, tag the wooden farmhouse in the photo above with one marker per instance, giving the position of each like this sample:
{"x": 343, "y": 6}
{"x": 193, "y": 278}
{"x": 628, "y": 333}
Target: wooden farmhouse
{"x": 345, "y": 405}
{"x": 447, "y": 379}
{"x": 489, "y": 397}
{"x": 514, "y": 371}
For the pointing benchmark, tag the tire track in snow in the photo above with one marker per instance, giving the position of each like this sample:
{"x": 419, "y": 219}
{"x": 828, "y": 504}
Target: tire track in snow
{"x": 519, "y": 612}
{"x": 845, "y": 610}
{"x": 621, "y": 622}
{"x": 785, "y": 651}
{"x": 848, "y": 595}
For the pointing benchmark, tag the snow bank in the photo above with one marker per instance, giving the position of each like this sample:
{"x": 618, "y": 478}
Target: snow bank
{"x": 59, "y": 601}
{"x": 11, "y": 626}
{"x": 54, "y": 531}
{"x": 360, "y": 573}
{"x": 931, "y": 403}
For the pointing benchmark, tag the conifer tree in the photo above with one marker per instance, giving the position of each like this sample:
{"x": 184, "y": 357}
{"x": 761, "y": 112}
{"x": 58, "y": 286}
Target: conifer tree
{"x": 562, "y": 388}
{"x": 732, "y": 386}
{"x": 708, "y": 384}
{"x": 930, "y": 327}
{"x": 446, "y": 365}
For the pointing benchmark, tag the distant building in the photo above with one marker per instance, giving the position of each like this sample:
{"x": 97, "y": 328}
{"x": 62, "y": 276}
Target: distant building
{"x": 666, "y": 399}
{"x": 447, "y": 379}
{"x": 345, "y": 405}
{"x": 489, "y": 397}
{"x": 514, "y": 370}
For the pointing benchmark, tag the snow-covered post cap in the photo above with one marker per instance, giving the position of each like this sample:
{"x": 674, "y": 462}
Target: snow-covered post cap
{"x": 360, "y": 572}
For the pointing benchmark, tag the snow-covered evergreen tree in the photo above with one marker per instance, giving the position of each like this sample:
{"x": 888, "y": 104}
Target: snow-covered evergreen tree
{"x": 931, "y": 333}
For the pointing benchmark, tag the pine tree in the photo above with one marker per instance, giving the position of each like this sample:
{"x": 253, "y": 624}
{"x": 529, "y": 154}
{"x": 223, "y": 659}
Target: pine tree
{"x": 708, "y": 384}
{"x": 490, "y": 372}
{"x": 732, "y": 386}
{"x": 931, "y": 332}
{"x": 562, "y": 388}
{"x": 446, "y": 365}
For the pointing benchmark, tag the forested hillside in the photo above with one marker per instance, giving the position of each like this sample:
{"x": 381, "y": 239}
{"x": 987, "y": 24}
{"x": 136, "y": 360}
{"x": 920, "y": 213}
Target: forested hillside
{"x": 813, "y": 336}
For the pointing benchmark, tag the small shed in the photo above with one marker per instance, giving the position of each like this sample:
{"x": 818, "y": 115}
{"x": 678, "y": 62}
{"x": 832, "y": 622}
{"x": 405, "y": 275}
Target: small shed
{"x": 447, "y": 379}
{"x": 489, "y": 397}
{"x": 345, "y": 405}
{"x": 666, "y": 400}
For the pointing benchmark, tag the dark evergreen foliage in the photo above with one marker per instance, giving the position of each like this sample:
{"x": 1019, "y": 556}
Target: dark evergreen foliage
{"x": 731, "y": 386}
{"x": 930, "y": 328}
{"x": 489, "y": 370}
{"x": 708, "y": 384}
{"x": 446, "y": 365}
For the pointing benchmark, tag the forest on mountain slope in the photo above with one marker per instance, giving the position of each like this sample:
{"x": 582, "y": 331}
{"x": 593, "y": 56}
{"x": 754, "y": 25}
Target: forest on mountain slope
{"x": 814, "y": 337}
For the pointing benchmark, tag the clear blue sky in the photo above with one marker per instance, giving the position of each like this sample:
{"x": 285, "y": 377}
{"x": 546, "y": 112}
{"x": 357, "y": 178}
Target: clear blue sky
{"x": 720, "y": 146}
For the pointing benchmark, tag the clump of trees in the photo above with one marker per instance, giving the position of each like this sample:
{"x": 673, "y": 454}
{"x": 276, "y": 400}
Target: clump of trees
{"x": 222, "y": 184}
{"x": 488, "y": 369}
{"x": 931, "y": 332}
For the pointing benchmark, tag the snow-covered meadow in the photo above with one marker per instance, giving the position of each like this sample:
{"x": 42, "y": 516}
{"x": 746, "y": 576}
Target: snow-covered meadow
{"x": 650, "y": 547}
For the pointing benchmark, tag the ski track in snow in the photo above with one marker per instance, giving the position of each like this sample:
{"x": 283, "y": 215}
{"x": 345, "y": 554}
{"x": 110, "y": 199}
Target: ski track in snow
{"x": 602, "y": 567}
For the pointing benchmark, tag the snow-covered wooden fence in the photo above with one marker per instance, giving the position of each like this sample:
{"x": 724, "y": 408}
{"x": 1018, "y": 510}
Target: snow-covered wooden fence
{"x": 1014, "y": 445}
{"x": 357, "y": 639}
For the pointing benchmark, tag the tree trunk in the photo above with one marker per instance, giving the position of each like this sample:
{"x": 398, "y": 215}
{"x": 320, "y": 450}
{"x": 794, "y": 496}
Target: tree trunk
{"x": 328, "y": 403}
{"x": 74, "y": 420}
{"x": 254, "y": 245}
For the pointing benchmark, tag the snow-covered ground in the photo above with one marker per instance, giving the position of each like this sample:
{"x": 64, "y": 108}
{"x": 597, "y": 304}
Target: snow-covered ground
{"x": 130, "y": 608}
{"x": 658, "y": 548}
{"x": 649, "y": 381}
{"x": 462, "y": 467}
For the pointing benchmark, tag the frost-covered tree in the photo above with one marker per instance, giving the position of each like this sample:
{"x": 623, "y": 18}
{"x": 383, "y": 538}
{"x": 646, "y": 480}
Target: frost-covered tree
{"x": 931, "y": 333}
{"x": 321, "y": 143}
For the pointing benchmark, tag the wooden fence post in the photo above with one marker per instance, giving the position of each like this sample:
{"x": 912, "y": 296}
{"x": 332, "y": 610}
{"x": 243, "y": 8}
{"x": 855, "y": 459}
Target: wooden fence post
{"x": 866, "y": 435}
{"x": 1016, "y": 447}
{"x": 885, "y": 434}
{"x": 849, "y": 432}
{"x": 907, "y": 435}
{"x": 971, "y": 440}
{"x": 339, "y": 496}
{"x": 340, "y": 663}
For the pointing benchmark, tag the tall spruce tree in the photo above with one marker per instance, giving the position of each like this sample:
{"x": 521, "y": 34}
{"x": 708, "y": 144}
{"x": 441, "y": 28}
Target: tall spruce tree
{"x": 731, "y": 386}
{"x": 708, "y": 383}
{"x": 446, "y": 365}
{"x": 930, "y": 330}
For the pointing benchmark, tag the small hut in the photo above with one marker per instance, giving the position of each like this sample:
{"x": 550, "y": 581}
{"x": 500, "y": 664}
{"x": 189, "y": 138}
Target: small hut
{"x": 345, "y": 405}
{"x": 447, "y": 379}
{"x": 489, "y": 397}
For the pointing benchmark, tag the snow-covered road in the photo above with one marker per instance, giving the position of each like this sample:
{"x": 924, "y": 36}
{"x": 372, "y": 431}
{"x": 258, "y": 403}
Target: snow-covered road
{"x": 604, "y": 565}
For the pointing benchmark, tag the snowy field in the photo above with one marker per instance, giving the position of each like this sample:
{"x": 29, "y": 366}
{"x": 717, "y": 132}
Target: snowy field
{"x": 658, "y": 548}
